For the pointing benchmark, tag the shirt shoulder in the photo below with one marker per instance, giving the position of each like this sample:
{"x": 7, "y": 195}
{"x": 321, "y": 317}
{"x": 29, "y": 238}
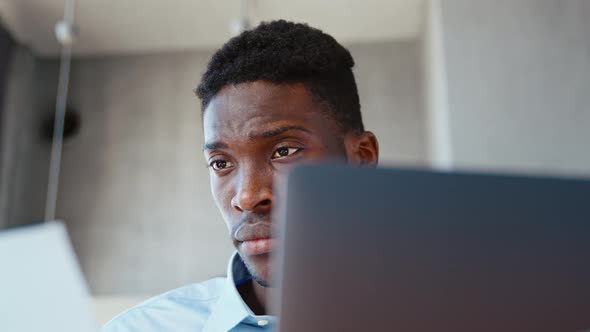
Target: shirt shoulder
{"x": 182, "y": 309}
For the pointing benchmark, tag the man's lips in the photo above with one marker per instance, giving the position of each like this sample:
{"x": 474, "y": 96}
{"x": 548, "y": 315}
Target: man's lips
{"x": 257, "y": 246}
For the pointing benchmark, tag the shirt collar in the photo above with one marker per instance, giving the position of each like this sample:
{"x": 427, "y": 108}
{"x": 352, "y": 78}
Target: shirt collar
{"x": 230, "y": 310}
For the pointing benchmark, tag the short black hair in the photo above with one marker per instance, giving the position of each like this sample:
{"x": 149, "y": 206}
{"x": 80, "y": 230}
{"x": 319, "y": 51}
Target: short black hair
{"x": 287, "y": 52}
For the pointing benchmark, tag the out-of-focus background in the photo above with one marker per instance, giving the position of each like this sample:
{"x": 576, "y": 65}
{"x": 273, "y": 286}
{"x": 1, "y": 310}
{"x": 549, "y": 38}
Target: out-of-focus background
{"x": 451, "y": 84}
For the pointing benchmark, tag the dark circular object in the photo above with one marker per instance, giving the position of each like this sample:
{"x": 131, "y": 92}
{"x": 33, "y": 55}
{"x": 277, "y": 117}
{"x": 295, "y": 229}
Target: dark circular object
{"x": 71, "y": 124}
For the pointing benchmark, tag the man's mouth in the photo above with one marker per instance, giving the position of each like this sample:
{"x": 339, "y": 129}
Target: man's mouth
{"x": 257, "y": 246}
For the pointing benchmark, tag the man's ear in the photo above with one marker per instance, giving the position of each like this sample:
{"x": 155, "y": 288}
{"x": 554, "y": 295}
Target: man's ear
{"x": 362, "y": 149}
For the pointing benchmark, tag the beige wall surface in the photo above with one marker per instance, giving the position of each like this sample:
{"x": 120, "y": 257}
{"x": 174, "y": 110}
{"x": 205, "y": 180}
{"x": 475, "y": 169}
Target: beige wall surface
{"x": 134, "y": 189}
{"x": 389, "y": 80}
{"x": 519, "y": 83}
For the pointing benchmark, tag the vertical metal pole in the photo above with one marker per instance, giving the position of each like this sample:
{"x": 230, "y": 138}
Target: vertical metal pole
{"x": 60, "y": 112}
{"x": 70, "y": 11}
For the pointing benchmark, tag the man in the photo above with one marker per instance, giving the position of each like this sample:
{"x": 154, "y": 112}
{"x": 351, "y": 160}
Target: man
{"x": 273, "y": 97}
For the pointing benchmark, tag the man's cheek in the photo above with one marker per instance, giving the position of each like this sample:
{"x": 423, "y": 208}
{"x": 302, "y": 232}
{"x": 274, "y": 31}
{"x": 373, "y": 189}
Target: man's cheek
{"x": 227, "y": 214}
{"x": 224, "y": 205}
{"x": 220, "y": 195}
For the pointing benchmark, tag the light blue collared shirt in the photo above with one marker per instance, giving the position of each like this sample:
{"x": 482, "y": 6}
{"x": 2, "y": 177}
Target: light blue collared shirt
{"x": 211, "y": 306}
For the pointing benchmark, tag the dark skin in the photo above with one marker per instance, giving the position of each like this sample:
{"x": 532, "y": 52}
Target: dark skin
{"x": 254, "y": 133}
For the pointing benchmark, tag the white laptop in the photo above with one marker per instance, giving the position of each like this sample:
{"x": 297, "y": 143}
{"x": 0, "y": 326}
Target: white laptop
{"x": 41, "y": 286}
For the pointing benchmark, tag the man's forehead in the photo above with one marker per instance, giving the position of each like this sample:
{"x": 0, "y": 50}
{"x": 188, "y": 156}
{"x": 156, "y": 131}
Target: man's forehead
{"x": 258, "y": 95}
{"x": 249, "y": 106}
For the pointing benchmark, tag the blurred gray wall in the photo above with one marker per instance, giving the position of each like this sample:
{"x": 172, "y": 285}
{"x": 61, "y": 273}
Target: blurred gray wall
{"x": 389, "y": 79}
{"x": 134, "y": 188}
{"x": 29, "y": 96}
{"x": 518, "y": 84}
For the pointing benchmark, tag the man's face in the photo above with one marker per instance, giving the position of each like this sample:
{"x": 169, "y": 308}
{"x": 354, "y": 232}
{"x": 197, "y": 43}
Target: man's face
{"x": 254, "y": 133}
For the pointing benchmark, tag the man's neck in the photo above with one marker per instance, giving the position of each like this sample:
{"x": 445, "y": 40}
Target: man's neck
{"x": 255, "y": 296}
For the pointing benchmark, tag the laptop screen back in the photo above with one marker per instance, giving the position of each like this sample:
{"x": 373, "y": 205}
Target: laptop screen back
{"x": 403, "y": 250}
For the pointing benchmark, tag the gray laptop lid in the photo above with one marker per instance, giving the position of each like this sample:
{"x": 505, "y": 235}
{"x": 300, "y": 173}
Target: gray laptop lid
{"x": 41, "y": 287}
{"x": 403, "y": 250}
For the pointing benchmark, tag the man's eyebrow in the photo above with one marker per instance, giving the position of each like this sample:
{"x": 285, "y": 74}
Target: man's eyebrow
{"x": 278, "y": 131}
{"x": 214, "y": 145}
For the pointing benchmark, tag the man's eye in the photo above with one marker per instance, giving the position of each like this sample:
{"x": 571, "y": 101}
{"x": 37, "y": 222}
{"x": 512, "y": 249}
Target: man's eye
{"x": 284, "y": 152}
{"x": 219, "y": 165}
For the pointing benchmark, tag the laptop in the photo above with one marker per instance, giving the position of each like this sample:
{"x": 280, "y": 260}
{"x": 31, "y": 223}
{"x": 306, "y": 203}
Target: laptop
{"x": 411, "y": 250}
{"x": 41, "y": 286}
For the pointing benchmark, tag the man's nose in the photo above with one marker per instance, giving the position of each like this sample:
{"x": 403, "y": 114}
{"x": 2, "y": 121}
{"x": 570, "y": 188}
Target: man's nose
{"x": 254, "y": 192}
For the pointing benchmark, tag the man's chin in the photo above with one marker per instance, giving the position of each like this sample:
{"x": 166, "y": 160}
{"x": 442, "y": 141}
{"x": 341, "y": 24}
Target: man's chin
{"x": 259, "y": 267}
{"x": 263, "y": 283}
